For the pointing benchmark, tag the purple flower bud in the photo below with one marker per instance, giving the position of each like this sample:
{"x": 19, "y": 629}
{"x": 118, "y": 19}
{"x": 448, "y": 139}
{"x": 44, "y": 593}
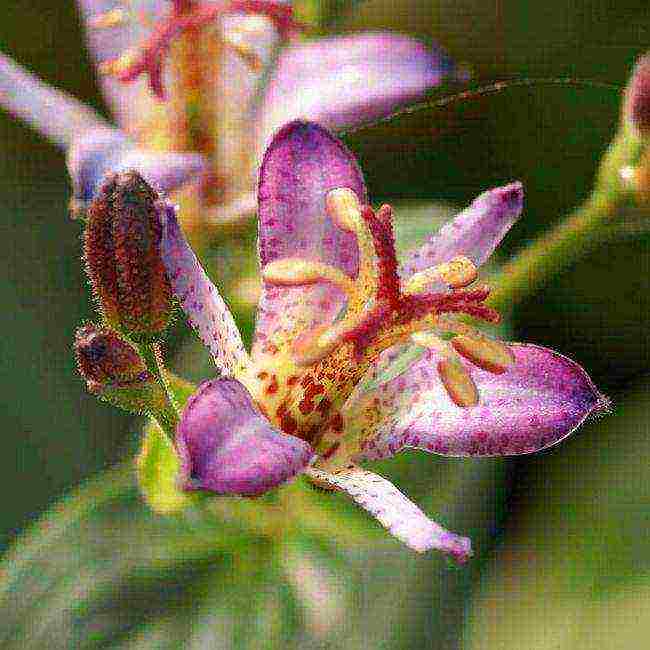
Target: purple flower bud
{"x": 122, "y": 251}
{"x": 105, "y": 360}
{"x": 637, "y": 97}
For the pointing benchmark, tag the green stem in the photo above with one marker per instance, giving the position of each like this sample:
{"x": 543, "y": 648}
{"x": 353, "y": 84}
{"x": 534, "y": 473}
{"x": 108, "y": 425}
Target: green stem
{"x": 584, "y": 228}
{"x": 166, "y": 411}
{"x": 551, "y": 254}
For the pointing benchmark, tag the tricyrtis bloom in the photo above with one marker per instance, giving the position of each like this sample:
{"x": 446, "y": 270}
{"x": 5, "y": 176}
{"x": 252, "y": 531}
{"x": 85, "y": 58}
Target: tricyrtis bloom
{"x": 356, "y": 358}
{"x": 198, "y": 87}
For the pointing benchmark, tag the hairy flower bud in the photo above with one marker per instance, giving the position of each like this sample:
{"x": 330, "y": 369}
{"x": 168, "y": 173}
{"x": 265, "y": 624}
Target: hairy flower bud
{"x": 104, "y": 359}
{"x": 122, "y": 251}
{"x": 636, "y": 107}
{"x": 114, "y": 370}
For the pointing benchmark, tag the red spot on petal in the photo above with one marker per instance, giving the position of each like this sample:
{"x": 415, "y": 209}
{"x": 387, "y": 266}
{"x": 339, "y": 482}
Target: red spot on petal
{"x": 273, "y": 386}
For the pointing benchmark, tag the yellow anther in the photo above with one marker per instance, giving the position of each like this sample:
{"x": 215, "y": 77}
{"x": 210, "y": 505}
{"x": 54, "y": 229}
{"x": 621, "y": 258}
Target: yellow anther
{"x": 108, "y": 19}
{"x": 295, "y": 271}
{"x": 457, "y": 273}
{"x": 483, "y": 352}
{"x": 428, "y": 339}
{"x": 244, "y": 51}
{"x": 119, "y": 65}
{"x": 458, "y": 382}
{"x": 321, "y": 341}
{"x": 344, "y": 208}
{"x": 313, "y": 346}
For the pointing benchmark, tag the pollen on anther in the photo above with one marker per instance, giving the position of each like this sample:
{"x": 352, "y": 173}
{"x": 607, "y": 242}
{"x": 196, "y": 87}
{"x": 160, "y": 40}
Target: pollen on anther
{"x": 344, "y": 208}
{"x": 458, "y": 383}
{"x": 113, "y": 18}
{"x": 485, "y": 353}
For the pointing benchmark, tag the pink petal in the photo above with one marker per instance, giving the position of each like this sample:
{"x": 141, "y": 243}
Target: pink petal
{"x": 99, "y": 151}
{"x": 302, "y": 164}
{"x": 396, "y": 512}
{"x": 54, "y": 114}
{"x": 535, "y": 404}
{"x": 227, "y": 446}
{"x": 130, "y": 103}
{"x": 167, "y": 171}
{"x": 474, "y": 233}
{"x": 347, "y": 80}
{"x": 200, "y": 299}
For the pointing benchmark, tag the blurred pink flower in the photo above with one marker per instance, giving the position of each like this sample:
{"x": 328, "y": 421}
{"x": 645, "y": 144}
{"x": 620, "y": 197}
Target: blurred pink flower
{"x": 326, "y": 386}
{"x": 232, "y": 73}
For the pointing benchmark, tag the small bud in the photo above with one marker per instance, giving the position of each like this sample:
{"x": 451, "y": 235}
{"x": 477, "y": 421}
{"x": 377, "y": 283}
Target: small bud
{"x": 637, "y": 98}
{"x": 113, "y": 369}
{"x": 103, "y": 358}
{"x": 123, "y": 261}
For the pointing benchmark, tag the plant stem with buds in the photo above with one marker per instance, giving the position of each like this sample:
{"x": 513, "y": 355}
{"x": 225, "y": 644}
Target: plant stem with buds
{"x": 167, "y": 411}
{"x": 580, "y": 231}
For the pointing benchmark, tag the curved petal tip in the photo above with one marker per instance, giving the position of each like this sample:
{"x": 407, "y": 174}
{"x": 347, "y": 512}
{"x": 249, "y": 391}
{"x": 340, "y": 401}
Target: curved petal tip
{"x": 512, "y": 196}
{"x": 227, "y": 446}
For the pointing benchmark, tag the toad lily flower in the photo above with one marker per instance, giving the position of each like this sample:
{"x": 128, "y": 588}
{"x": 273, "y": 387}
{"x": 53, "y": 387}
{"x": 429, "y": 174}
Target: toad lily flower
{"x": 229, "y": 77}
{"x": 92, "y": 146}
{"x": 319, "y": 392}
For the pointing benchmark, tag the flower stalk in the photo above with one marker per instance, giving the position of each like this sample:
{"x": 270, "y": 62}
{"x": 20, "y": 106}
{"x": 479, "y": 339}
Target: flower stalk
{"x": 591, "y": 223}
{"x": 166, "y": 410}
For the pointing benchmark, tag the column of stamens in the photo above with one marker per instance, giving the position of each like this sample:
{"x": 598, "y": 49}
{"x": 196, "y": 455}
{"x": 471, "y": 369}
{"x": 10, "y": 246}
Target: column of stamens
{"x": 381, "y": 313}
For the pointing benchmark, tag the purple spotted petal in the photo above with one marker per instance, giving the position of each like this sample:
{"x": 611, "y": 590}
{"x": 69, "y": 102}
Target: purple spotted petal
{"x": 302, "y": 164}
{"x": 541, "y": 399}
{"x": 474, "y": 233}
{"x": 227, "y": 446}
{"x": 99, "y": 151}
{"x": 200, "y": 299}
{"x": 130, "y": 103}
{"x": 395, "y": 511}
{"x": 348, "y": 80}
{"x": 57, "y": 116}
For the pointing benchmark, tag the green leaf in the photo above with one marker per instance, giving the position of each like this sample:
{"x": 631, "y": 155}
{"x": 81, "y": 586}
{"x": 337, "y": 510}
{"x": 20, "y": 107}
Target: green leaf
{"x": 157, "y": 470}
{"x": 100, "y": 564}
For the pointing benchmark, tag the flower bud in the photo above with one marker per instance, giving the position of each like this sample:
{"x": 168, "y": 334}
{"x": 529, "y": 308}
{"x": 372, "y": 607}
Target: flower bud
{"x": 104, "y": 359}
{"x": 122, "y": 251}
{"x": 114, "y": 371}
{"x": 636, "y": 107}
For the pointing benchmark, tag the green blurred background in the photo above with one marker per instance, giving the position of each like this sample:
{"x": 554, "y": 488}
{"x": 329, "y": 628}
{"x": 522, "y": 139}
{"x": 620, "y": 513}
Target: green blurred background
{"x": 564, "y": 544}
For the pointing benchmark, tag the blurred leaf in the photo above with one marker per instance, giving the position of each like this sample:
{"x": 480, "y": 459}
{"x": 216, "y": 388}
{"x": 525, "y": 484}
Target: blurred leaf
{"x": 616, "y": 621}
{"x": 101, "y": 564}
{"x": 416, "y": 221}
{"x": 157, "y": 468}
{"x": 583, "y": 533}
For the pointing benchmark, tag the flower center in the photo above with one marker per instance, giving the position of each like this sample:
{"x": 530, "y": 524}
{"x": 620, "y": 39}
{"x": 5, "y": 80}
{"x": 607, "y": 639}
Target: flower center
{"x": 381, "y": 311}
